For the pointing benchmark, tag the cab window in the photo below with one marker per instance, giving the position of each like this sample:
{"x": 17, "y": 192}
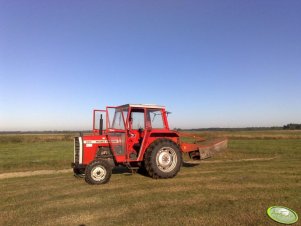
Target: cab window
{"x": 137, "y": 119}
{"x": 156, "y": 118}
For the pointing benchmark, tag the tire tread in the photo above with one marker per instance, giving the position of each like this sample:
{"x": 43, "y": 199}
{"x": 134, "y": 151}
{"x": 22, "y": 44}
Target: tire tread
{"x": 150, "y": 161}
{"x": 102, "y": 162}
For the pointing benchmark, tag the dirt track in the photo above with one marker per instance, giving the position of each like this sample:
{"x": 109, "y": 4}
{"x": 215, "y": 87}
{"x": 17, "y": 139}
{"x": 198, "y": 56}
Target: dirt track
{"x": 241, "y": 160}
{"x": 49, "y": 172}
{"x": 33, "y": 173}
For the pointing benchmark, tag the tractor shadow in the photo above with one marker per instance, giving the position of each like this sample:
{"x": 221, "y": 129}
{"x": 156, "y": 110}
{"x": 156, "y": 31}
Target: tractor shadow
{"x": 127, "y": 172}
{"x": 122, "y": 170}
{"x": 190, "y": 164}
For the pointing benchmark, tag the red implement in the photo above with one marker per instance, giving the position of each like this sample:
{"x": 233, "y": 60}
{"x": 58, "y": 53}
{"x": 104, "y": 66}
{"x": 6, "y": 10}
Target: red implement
{"x": 198, "y": 151}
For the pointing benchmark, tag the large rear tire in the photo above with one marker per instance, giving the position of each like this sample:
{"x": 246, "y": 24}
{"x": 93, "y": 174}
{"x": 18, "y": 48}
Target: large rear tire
{"x": 98, "y": 172}
{"x": 163, "y": 159}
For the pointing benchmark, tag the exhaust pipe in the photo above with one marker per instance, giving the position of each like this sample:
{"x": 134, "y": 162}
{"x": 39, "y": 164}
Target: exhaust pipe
{"x": 100, "y": 125}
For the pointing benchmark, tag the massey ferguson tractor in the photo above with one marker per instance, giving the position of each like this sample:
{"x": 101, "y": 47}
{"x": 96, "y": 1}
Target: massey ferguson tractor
{"x": 136, "y": 136}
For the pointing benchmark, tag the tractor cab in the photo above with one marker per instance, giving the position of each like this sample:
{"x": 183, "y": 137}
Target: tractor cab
{"x": 129, "y": 127}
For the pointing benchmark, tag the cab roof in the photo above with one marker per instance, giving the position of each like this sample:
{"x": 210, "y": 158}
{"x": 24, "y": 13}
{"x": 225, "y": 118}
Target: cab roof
{"x": 143, "y": 106}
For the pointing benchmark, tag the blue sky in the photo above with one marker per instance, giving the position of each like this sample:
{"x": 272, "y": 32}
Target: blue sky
{"x": 211, "y": 63}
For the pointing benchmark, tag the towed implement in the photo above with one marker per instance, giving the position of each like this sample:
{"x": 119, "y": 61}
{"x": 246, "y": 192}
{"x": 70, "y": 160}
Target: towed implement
{"x": 136, "y": 136}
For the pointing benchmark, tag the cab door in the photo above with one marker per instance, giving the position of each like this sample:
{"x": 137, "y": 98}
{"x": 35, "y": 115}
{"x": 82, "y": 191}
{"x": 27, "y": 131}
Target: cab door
{"x": 116, "y": 132}
{"x": 136, "y": 132}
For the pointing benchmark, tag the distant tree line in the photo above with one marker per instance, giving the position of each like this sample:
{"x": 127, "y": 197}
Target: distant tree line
{"x": 232, "y": 129}
{"x": 45, "y": 132}
{"x": 292, "y": 126}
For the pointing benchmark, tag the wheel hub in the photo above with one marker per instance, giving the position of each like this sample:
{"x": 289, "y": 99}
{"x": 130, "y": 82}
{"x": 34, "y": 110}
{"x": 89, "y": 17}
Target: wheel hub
{"x": 166, "y": 159}
{"x": 98, "y": 173}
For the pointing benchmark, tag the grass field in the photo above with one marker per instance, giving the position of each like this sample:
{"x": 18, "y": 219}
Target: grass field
{"x": 34, "y": 152}
{"x": 233, "y": 188}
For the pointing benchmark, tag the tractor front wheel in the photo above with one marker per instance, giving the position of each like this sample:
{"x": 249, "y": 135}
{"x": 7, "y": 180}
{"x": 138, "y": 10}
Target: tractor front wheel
{"x": 98, "y": 172}
{"x": 163, "y": 159}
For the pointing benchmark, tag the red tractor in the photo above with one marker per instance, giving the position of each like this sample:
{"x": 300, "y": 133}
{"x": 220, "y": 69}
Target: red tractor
{"x": 133, "y": 135}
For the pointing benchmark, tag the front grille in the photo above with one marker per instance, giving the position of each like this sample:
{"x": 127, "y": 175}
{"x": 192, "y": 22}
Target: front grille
{"x": 76, "y": 149}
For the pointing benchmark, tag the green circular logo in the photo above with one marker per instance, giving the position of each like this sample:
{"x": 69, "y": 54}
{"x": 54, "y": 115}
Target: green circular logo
{"x": 282, "y": 214}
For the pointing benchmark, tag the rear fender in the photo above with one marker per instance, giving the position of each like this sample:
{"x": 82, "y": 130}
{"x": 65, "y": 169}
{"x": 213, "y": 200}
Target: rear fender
{"x": 150, "y": 137}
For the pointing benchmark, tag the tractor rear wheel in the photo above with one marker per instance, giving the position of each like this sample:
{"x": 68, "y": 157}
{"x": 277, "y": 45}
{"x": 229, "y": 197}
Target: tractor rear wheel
{"x": 98, "y": 172}
{"x": 163, "y": 159}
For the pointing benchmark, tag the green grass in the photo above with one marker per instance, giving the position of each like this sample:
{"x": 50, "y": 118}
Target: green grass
{"x": 219, "y": 191}
{"x": 260, "y": 134}
{"x": 32, "y": 152}
{"x": 33, "y": 138}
